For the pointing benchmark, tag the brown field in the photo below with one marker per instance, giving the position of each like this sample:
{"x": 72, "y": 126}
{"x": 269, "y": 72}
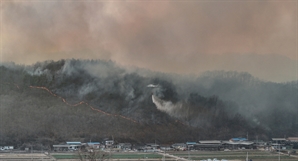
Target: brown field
{"x": 192, "y": 155}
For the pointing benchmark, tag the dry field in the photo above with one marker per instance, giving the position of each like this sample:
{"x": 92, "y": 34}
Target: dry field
{"x": 173, "y": 156}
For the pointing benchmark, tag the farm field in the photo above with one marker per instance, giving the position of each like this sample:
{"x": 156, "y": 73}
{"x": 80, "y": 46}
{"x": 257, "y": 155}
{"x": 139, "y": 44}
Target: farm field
{"x": 234, "y": 155}
{"x": 25, "y": 157}
{"x": 173, "y": 156}
{"x": 113, "y": 156}
{"x": 195, "y": 155}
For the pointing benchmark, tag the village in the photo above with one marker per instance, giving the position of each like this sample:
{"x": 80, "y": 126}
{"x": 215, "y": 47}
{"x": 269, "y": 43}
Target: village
{"x": 234, "y": 149}
{"x": 276, "y": 144}
{"x": 204, "y": 145}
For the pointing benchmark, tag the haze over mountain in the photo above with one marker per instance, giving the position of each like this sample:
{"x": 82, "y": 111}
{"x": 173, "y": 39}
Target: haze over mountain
{"x": 141, "y": 70}
{"x": 184, "y": 37}
{"x": 93, "y": 99}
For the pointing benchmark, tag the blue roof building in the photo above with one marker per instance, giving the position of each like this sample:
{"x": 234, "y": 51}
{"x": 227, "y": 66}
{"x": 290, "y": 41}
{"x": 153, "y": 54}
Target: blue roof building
{"x": 238, "y": 139}
{"x": 93, "y": 143}
{"x": 73, "y": 143}
{"x": 191, "y": 143}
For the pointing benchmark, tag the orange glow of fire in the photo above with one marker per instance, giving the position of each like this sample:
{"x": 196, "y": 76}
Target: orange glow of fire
{"x": 82, "y": 102}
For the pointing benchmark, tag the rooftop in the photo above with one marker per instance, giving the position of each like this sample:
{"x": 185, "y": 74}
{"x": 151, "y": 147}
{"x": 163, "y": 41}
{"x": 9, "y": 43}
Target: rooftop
{"x": 191, "y": 143}
{"x": 238, "y": 139}
{"x": 73, "y": 143}
{"x": 210, "y": 142}
{"x": 90, "y": 143}
{"x": 279, "y": 139}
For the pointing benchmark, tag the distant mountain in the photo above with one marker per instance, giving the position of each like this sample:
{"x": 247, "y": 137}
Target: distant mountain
{"x": 64, "y": 100}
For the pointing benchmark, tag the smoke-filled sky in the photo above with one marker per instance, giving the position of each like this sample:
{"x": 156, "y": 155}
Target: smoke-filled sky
{"x": 177, "y": 36}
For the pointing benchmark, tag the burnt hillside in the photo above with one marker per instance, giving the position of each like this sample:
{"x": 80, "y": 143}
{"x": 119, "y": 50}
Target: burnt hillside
{"x": 51, "y": 102}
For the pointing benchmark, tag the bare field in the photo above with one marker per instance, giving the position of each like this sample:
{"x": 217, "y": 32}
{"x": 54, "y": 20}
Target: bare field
{"x": 24, "y": 157}
{"x": 235, "y": 155}
{"x": 172, "y": 156}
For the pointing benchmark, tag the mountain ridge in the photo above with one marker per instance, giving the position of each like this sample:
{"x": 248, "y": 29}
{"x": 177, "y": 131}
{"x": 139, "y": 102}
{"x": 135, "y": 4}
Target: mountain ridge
{"x": 211, "y": 107}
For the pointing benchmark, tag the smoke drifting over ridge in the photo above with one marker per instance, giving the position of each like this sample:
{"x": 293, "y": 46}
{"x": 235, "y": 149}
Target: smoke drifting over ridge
{"x": 215, "y": 99}
{"x": 181, "y": 37}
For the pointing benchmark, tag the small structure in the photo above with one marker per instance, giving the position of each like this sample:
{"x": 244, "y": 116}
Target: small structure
{"x": 109, "y": 143}
{"x": 73, "y": 143}
{"x": 94, "y": 145}
{"x": 124, "y": 146}
{"x": 62, "y": 147}
{"x": 151, "y": 147}
{"x": 238, "y": 144}
{"x": 190, "y": 145}
{"x": 293, "y": 139}
{"x": 260, "y": 144}
{"x": 283, "y": 143}
{"x": 6, "y": 148}
{"x": 179, "y": 146}
{"x": 208, "y": 145}
{"x": 69, "y": 146}
{"x": 278, "y": 147}
{"x": 166, "y": 148}
{"x": 279, "y": 140}
{"x": 238, "y": 139}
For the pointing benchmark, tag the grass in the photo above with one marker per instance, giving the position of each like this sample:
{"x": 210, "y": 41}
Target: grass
{"x": 116, "y": 156}
{"x": 66, "y": 156}
{"x": 136, "y": 156}
{"x": 196, "y": 155}
{"x": 233, "y": 155}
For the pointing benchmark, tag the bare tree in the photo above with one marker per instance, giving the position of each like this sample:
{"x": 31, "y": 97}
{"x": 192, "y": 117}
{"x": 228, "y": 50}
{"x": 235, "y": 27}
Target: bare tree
{"x": 92, "y": 155}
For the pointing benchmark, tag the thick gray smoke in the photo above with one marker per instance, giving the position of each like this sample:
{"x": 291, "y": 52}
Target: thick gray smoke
{"x": 199, "y": 101}
{"x": 174, "y": 110}
{"x": 181, "y": 37}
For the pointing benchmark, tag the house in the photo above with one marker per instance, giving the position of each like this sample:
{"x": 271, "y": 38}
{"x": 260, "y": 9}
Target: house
{"x": 260, "y": 144}
{"x": 283, "y": 143}
{"x": 211, "y": 142}
{"x": 278, "y": 143}
{"x": 6, "y": 148}
{"x": 190, "y": 145}
{"x": 152, "y": 146}
{"x": 292, "y": 139}
{"x": 208, "y": 145}
{"x": 238, "y": 139}
{"x": 109, "y": 143}
{"x": 124, "y": 146}
{"x": 73, "y": 143}
{"x": 279, "y": 140}
{"x": 277, "y": 146}
{"x": 63, "y": 147}
{"x": 69, "y": 146}
{"x": 149, "y": 147}
{"x": 93, "y": 145}
{"x": 240, "y": 144}
{"x": 166, "y": 148}
{"x": 179, "y": 146}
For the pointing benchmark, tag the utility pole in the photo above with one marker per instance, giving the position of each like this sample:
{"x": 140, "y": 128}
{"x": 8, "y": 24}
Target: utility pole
{"x": 164, "y": 154}
{"x": 31, "y": 153}
{"x": 279, "y": 152}
{"x": 188, "y": 151}
{"x": 42, "y": 152}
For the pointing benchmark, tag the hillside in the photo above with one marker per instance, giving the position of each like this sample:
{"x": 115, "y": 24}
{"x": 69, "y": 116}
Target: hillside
{"x": 51, "y": 102}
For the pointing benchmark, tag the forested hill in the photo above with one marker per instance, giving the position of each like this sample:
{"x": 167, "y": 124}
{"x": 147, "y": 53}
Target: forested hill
{"x": 51, "y": 102}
